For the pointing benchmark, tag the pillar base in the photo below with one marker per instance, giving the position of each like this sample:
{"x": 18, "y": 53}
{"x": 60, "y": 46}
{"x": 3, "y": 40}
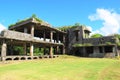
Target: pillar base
{"x": 3, "y": 59}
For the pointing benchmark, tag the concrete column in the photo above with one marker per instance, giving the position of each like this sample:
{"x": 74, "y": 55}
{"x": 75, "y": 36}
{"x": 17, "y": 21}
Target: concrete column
{"x": 96, "y": 49}
{"x": 57, "y": 37}
{"x": 103, "y": 50}
{"x": 64, "y": 44}
{"x": 63, "y": 38}
{"x": 31, "y": 49}
{"x": 63, "y": 49}
{"x": 51, "y": 36}
{"x": 51, "y": 51}
{"x": 32, "y": 30}
{"x": 57, "y": 49}
{"x": 25, "y": 48}
{"x": 84, "y": 52}
{"x": 44, "y": 37}
{"x": 3, "y": 50}
{"x": 115, "y": 51}
{"x": 25, "y": 30}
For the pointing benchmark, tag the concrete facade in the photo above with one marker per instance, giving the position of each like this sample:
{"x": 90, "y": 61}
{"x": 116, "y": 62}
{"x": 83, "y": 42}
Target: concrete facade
{"x": 80, "y": 44}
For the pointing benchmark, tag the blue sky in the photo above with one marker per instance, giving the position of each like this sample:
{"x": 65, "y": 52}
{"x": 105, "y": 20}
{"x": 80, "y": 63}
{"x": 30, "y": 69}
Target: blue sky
{"x": 64, "y": 12}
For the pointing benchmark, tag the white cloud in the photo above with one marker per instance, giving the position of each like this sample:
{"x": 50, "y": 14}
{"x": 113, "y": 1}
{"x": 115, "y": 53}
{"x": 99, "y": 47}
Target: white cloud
{"x": 111, "y": 21}
{"x": 93, "y": 32}
{"x": 2, "y": 27}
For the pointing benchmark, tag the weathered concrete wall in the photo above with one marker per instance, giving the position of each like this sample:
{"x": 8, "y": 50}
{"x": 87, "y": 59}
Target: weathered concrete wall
{"x": 101, "y": 40}
{"x": 99, "y": 55}
{"x": 16, "y": 35}
{"x": 71, "y": 39}
{"x": 109, "y": 55}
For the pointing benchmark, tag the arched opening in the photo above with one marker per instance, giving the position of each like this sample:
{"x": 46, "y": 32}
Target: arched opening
{"x": 29, "y": 58}
{"x": 17, "y": 58}
{"x": 35, "y": 57}
{"x": 7, "y": 59}
{"x": 23, "y": 58}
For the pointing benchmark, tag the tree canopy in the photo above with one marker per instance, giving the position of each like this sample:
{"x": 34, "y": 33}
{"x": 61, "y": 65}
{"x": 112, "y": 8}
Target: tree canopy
{"x": 96, "y": 35}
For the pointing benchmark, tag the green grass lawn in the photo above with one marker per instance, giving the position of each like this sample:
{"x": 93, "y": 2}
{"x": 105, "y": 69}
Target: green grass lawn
{"x": 62, "y": 68}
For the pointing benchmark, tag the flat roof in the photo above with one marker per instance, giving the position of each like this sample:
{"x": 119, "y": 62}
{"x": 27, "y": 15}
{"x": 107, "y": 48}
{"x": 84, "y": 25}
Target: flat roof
{"x": 38, "y": 24}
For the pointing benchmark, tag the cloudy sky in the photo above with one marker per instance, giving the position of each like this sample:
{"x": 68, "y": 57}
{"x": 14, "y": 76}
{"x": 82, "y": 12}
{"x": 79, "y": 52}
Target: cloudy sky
{"x": 101, "y": 16}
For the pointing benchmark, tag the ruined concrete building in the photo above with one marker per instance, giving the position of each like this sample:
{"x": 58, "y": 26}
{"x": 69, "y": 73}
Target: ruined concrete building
{"x": 79, "y": 44}
{"x": 32, "y": 33}
{"x": 29, "y": 34}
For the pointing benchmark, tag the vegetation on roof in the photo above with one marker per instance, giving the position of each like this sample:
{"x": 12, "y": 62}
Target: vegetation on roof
{"x": 20, "y": 21}
{"x": 117, "y": 35}
{"x": 96, "y": 35}
{"x": 108, "y": 43}
{"x": 65, "y": 28}
{"x": 37, "y": 19}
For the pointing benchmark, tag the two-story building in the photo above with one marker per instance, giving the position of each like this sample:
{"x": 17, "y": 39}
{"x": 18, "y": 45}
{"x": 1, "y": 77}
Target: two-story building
{"x": 28, "y": 34}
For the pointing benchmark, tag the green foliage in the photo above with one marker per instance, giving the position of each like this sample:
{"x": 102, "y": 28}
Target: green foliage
{"x": 97, "y": 35}
{"x": 33, "y": 16}
{"x": 36, "y": 18}
{"x": 118, "y": 43}
{"x": 20, "y": 21}
{"x": 77, "y": 45}
{"x": 18, "y": 50}
{"x": 80, "y": 45}
{"x": 108, "y": 43}
{"x": 87, "y": 44}
{"x": 77, "y": 24}
{"x": 117, "y": 35}
{"x": 11, "y": 25}
{"x": 38, "y": 51}
{"x": 65, "y": 28}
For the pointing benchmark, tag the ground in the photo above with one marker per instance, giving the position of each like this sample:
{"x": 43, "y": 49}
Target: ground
{"x": 62, "y": 68}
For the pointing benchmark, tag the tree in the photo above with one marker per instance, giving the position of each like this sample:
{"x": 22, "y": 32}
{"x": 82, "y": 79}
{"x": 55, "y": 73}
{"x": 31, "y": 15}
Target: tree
{"x": 96, "y": 35}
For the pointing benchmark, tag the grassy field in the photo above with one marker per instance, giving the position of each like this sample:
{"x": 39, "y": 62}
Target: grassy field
{"x": 62, "y": 68}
